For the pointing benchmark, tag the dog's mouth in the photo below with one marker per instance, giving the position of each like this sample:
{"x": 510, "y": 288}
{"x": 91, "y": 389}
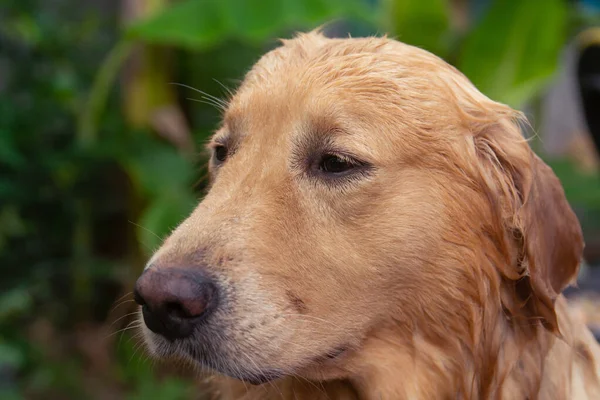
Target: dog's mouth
{"x": 206, "y": 358}
{"x": 251, "y": 377}
{"x": 263, "y": 376}
{"x": 329, "y": 356}
{"x": 332, "y": 354}
{"x": 259, "y": 379}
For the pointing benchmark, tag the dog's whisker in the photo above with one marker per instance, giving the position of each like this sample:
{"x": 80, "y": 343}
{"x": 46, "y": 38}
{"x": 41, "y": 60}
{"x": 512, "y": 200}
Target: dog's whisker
{"x": 135, "y": 324}
{"x": 217, "y": 106}
{"x": 124, "y": 316}
{"x": 134, "y": 337}
{"x": 239, "y": 372}
{"x": 320, "y": 388}
{"x": 136, "y": 348}
{"x": 126, "y": 328}
{"x": 205, "y": 95}
{"x": 260, "y": 372}
{"x": 124, "y": 296}
{"x": 147, "y": 230}
{"x": 228, "y": 91}
{"x": 121, "y": 300}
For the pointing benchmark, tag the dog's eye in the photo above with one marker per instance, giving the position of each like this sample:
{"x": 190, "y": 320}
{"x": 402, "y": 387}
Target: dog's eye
{"x": 221, "y": 153}
{"x": 333, "y": 164}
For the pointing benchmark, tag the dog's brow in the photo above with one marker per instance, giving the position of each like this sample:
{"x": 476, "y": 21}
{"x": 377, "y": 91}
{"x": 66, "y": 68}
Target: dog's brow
{"x": 232, "y": 123}
{"x": 326, "y": 126}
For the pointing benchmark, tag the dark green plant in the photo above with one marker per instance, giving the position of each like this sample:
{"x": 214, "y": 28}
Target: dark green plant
{"x": 85, "y": 199}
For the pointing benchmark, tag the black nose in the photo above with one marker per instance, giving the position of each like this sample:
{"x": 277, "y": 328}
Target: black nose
{"x": 174, "y": 301}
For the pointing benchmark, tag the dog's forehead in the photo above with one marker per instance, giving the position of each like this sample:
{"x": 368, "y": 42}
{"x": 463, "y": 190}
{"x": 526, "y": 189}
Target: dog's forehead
{"x": 295, "y": 122}
{"x": 312, "y": 63}
{"x": 375, "y": 86}
{"x": 314, "y": 94}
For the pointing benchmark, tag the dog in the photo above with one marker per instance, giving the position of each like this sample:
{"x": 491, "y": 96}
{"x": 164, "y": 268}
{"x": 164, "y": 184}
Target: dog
{"x": 375, "y": 228}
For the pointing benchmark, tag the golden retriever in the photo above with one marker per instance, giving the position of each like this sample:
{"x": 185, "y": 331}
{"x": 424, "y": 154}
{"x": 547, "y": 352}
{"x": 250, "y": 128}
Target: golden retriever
{"x": 376, "y": 228}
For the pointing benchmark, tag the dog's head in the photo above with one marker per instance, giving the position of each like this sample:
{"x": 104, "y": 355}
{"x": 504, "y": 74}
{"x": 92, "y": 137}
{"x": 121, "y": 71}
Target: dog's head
{"x": 355, "y": 184}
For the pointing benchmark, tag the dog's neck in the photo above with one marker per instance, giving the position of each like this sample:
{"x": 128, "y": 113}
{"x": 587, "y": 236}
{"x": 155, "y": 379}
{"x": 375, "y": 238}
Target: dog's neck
{"x": 497, "y": 357}
{"x": 392, "y": 367}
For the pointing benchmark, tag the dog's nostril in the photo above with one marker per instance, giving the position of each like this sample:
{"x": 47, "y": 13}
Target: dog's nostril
{"x": 177, "y": 310}
{"x": 138, "y": 298}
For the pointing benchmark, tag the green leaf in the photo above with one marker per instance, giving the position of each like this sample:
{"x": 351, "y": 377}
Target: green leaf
{"x": 163, "y": 179}
{"x": 132, "y": 366}
{"x": 252, "y": 20}
{"x": 191, "y": 23}
{"x": 14, "y": 302}
{"x": 581, "y": 188}
{"x": 10, "y": 394}
{"x": 514, "y": 50}
{"x": 11, "y": 223}
{"x": 26, "y": 29}
{"x": 421, "y": 23}
{"x": 162, "y": 216}
{"x": 199, "y": 24}
{"x": 9, "y": 154}
{"x": 159, "y": 169}
{"x": 167, "y": 389}
{"x": 11, "y": 356}
{"x": 309, "y": 11}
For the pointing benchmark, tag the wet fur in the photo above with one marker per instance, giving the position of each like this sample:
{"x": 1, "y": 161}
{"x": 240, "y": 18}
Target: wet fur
{"x": 439, "y": 270}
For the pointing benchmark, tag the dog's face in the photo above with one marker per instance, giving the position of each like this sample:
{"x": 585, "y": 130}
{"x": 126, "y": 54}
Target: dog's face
{"x": 342, "y": 186}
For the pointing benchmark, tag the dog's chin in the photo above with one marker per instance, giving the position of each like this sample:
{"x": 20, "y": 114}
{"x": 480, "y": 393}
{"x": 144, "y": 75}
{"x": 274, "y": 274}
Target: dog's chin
{"x": 163, "y": 349}
{"x": 259, "y": 379}
{"x": 329, "y": 366}
{"x": 324, "y": 367}
{"x": 236, "y": 372}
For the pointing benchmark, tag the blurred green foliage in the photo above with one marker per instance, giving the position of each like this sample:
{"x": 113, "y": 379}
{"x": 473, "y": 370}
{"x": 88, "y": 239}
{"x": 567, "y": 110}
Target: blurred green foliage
{"x": 508, "y": 61}
{"x": 511, "y": 62}
{"x": 199, "y": 24}
{"x": 85, "y": 198}
{"x": 425, "y": 24}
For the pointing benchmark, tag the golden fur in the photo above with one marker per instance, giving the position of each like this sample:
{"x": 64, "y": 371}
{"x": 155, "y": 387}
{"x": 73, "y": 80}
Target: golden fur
{"x": 436, "y": 273}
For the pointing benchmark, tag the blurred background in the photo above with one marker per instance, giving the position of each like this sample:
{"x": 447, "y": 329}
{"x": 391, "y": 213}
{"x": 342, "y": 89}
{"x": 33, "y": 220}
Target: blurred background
{"x": 101, "y": 155}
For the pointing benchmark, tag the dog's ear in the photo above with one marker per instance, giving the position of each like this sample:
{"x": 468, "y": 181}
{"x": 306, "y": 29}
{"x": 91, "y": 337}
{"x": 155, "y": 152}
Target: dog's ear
{"x": 542, "y": 234}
